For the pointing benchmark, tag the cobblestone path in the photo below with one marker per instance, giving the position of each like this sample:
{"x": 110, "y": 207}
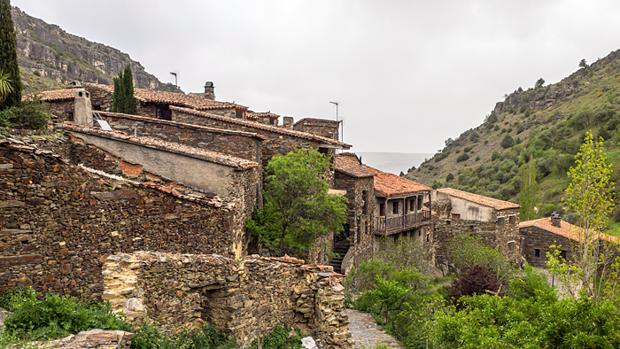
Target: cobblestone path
{"x": 366, "y": 333}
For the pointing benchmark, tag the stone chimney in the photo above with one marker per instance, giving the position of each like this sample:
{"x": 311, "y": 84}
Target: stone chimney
{"x": 209, "y": 90}
{"x": 555, "y": 219}
{"x": 287, "y": 122}
{"x": 82, "y": 108}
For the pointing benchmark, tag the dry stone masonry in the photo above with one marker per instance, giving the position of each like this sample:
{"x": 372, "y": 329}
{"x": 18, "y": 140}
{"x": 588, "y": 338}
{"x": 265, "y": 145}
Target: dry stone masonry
{"x": 247, "y": 297}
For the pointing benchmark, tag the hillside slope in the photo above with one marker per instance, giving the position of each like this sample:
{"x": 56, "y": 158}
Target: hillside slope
{"x": 546, "y": 123}
{"x": 50, "y": 57}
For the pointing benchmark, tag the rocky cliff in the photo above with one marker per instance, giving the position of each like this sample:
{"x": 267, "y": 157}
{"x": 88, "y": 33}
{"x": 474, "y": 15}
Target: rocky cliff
{"x": 50, "y": 57}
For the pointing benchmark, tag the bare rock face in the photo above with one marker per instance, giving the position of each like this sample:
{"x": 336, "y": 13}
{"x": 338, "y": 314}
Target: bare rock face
{"x": 93, "y": 339}
{"x": 50, "y": 57}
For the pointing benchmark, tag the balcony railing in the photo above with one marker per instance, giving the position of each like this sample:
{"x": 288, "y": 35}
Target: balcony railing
{"x": 397, "y": 224}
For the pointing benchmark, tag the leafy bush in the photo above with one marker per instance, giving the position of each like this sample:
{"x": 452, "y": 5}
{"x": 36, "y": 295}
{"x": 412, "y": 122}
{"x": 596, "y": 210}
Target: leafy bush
{"x": 280, "y": 338}
{"x": 54, "y": 316}
{"x": 462, "y": 157}
{"x": 469, "y": 251}
{"x": 449, "y": 177}
{"x": 476, "y": 280}
{"x": 30, "y": 115}
{"x": 207, "y": 337}
{"x": 507, "y": 142}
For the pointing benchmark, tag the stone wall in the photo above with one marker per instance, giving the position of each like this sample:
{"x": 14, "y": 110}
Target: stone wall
{"x": 240, "y": 144}
{"x": 62, "y": 110}
{"x": 59, "y": 221}
{"x": 248, "y": 298}
{"x": 360, "y": 220}
{"x": 322, "y": 127}
{"x": 535, "y": 238}
{"x": 502, "y": 234}
{"x": 274, "y": 143}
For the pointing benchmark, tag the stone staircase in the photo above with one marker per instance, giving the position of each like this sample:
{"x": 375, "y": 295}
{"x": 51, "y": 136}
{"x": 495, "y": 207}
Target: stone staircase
{"x": 340, "y": 250}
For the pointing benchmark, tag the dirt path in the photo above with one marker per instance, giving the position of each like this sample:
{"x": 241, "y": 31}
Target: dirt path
{"x": 366, "y": 333}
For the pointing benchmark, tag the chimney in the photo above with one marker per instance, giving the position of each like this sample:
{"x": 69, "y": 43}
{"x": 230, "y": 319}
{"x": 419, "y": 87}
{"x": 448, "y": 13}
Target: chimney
{"x": 82, "y": 108}
{"x": 287, "y": 122}
{"x": 555, "y": 219}
{"x": 209, "y": 90}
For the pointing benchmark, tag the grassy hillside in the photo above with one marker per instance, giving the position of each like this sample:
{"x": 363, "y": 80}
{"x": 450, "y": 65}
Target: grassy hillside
{"x": 546, "y": 123}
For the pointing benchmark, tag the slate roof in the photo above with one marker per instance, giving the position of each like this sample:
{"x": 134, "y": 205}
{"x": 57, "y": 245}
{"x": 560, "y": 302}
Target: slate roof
{"x": 261, "y": 115}
{"x": 259, "y": 126}
{"x": 390, "y": 184}
{"x": 350, "y": 164}
{"x": 175, "y": 98}
{"x": 565, "y": 229}
{"x": 198, "y": 153}
{"x": 479, "y": 199}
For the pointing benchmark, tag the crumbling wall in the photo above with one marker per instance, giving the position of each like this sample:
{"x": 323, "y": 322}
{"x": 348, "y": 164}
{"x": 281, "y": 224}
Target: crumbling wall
{"x": 322, "y": 127}
{"x": 58, "y": 221}
{"x": 240, "y": 144}
{"x": 248, "y": 298}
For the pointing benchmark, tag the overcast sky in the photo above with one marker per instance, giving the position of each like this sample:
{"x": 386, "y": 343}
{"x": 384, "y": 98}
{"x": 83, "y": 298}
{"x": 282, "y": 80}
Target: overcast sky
{"x": 407, "y": 74}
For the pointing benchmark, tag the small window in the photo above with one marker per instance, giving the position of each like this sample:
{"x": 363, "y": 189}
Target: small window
{"x": 382, "y": 209}
{"x": 395, "y": 207}
{"x": 412, "y": 205}
{"x": 472, "y": 228}
{"x": 428, "y": 237}
{"x": 501, "y": 220}
{"x": 537, "y": 252}
{"x": 564, "y": 254}
{"x": 420, "y": 198}
{"x": 419, "y": 233}
{"x": 448, "y": 222}
{"x": 364, "y": 202}
{"x": 512, "y": 219}
{"x": 456, "y": 216}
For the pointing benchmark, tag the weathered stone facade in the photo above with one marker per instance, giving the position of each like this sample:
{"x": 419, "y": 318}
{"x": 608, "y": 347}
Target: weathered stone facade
{"x": 240, "y": 144}
{"x": 536, "y": 243}
{"x": 322, "y": 127}
{"x": 59, "y": 221}
{"x": 249, "y": 297}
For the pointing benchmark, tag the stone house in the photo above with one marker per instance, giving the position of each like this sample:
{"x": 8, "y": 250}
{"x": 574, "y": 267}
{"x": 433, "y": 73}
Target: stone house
{"x": 322, "y": 127}
{"x": 355, "y": 243}
{"x": 460, "y": 212}
{"x": 538, "y": 234}
{"x": 402, "y": 206}
{"x": 267, "y": 118}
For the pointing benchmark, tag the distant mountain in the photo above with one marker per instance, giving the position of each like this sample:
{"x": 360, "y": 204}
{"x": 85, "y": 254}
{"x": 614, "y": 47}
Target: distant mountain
{"x": 393, "y": 162}
{"x": 544, "y": 122}
{"x": 50, "y": 57}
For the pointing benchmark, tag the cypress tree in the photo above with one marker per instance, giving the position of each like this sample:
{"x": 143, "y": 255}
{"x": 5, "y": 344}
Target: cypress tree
{"x": 130, "y": 101}
{"x": 115, "y": 95}
{"x": 8, "y": 55}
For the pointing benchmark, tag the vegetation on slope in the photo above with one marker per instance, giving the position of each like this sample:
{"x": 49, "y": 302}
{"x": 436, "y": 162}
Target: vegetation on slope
{"x": 546, "y": 124}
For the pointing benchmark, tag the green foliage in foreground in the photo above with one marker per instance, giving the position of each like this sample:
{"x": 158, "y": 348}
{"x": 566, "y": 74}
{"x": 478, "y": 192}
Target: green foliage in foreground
{"x": 280, "y": 337}
{"x": 30, "y": 115}
{"x": 54, "y": 316}
{"x": 297, "y": 206}
{"x": 206, "y": 337}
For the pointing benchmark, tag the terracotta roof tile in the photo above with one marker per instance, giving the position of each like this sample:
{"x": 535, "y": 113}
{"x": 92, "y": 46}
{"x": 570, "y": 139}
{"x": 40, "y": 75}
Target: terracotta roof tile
{"x": 479, "y": 199}
{"x": 390, "y": 184}
{"x": 175, "y": 98}
{"x": 351, "y": 165}
{"x": 199, "y": 153}
{"x": 264, "y": 127}
{"x": 65, "y": 94}
{"x": 565, "y": 229}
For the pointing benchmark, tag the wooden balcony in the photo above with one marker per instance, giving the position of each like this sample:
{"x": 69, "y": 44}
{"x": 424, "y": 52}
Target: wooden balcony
{"x": 397, "y": 224}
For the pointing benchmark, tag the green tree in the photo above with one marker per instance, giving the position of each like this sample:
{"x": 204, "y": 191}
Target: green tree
{"x": 297, "y": 206}
{"x": 529, "y": 191}
{"x": 539, "y": 83}
{"x": 590, "y": 197}
{"x": 123, "y": 100}
{"x": 507, "y": 142}
{"x": 8, "y": 56}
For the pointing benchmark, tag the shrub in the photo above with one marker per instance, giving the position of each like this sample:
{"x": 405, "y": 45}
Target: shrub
{"x": 468, "y": 251}
{"x": 29, "y": 115}
{"x": 507, "y": 142}
{"x": 462, "y": 157}
{"x": 55, "y": 316}
{"x": 449, "y": 177}
{"x": 476, "y": 280}
{"x": 148, "y": 337}
{"x": 280, "y": 338}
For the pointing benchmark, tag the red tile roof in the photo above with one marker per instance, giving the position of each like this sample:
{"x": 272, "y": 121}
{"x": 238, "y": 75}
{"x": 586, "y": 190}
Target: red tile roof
{"x": 65, "y": 94}
{"x": 350, "y": 164}
{"x": 174, "y": 98}
{"x": 566, "y": 230}
{"x": 390, "y": 184}
{"x": 479, "y": 199}
{"x": 258, "y": 126}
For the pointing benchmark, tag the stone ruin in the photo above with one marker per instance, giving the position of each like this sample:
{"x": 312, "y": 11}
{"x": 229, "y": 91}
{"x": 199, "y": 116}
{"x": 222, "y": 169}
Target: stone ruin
{"x": 248, "y": 298}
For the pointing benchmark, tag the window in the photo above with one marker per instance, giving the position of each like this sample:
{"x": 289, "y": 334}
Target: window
{"x": 456, "y": 216}
{"x": 564, "y": 254}
{"x": 501, "y": 220}
{"x": 395, "y": 207}
{"x": 364, "y": 202}
{"x": 472, "y": 228}
{"x": 420, "y": 198}
{"x": 512, "y": 219}
{"x": 419, "y": 233}
{"x": 382, "y": 209}
{"x": 537, "y": 252}
{"x": 412, "y": 204}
